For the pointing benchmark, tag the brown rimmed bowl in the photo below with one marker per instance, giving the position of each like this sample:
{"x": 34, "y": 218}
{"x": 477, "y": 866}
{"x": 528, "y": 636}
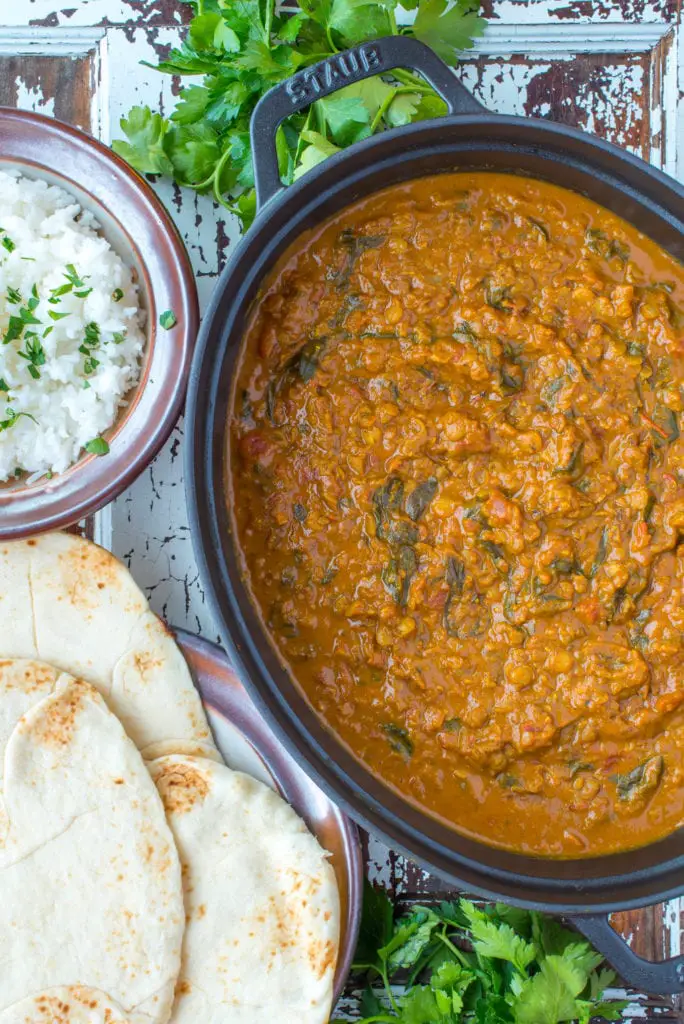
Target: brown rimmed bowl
{"x": 138, "y": 227}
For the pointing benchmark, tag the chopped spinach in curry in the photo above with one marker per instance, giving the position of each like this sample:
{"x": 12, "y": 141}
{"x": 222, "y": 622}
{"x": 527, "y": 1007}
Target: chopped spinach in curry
{"x": 460, "y": 503}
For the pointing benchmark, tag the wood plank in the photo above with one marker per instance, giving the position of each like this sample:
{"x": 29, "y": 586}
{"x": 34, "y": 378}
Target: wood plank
{"x": 59, "y": 86}
{"x": 612, "y": 67}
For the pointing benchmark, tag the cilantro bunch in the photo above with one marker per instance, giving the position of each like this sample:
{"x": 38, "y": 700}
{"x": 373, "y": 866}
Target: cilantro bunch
{"x": 519, "y": 967}
{"x": 239, "y": 49}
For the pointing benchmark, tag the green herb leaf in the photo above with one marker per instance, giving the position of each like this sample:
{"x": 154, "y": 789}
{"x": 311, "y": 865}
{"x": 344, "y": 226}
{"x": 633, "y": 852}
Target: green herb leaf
{"x": 376, "y": 926}
{"x": 167, "y": 320}
{"x": 318, "y": 149}
{"x": 347, "y": 118}
{"x": 300, "y": 512}
{"x": 419, "y": 499}
{"x": 412, "y": 934}
{"x": 601, "y": 553}
{"x": 239, "y": 50}
{"x": 448, "y": 29}
{"x": 526, "y": 968}
{"x": 34, "y": 354}
{"x": 497, "y": 941}
{"x": 11, "y": 417}
{"x": 642, "y": 780}
{"x": 144, "y": 150}
{"x": 354, "y": 21}
{"x": 98, "y": 446}
{"x": 194, "y": 151}
{"x": 398, "y": 739}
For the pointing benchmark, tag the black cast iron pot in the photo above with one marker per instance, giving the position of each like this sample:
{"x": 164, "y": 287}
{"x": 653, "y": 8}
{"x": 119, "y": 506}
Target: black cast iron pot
{"x": 469, "y": 138}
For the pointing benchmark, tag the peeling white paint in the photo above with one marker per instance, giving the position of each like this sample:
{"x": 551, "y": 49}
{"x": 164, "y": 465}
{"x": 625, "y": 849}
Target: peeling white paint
{"x": 31, "y": 98}
{"x": 379, "y": 864}
{"x": 77, "y": 13}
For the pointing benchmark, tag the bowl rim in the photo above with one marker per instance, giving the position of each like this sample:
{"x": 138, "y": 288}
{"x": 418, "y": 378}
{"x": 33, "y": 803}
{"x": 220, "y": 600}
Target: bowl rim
{"x": 167, "y": 282}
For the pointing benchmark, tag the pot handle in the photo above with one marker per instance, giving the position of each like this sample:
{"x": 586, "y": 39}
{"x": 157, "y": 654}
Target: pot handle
{"x": 659, "y": 978}
{"x": 334, "y": 73}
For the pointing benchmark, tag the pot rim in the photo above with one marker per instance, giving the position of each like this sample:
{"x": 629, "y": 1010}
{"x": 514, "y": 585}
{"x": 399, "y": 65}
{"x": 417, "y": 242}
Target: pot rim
{"x": 606, "y": 891}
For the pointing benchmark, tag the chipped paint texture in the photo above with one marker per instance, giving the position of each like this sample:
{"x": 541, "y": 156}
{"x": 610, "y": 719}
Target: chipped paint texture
{"x": 29, "y": 95}
{"x": 612, "y": 67}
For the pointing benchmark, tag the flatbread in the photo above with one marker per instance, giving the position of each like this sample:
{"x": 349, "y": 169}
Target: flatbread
{"x": 90, "y": 884}
{"x": 73, "y": 1004}
{"x": 70, "y": 603}
{"x": 261, "y": 900}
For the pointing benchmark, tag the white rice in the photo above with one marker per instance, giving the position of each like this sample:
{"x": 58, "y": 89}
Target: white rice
{"x": 49, "y": 413}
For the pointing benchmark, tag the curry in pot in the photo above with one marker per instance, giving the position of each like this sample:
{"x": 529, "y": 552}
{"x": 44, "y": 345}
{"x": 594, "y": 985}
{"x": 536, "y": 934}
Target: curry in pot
{"x": 458, "y": 484}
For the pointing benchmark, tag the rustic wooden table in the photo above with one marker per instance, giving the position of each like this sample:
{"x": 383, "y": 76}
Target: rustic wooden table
{"x": 612, "y": 67}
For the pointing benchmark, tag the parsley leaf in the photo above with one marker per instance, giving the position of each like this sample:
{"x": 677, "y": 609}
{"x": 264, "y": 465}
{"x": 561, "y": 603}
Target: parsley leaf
{"x": 11, "y": 418}
{"x": 497, "y": 941}
{"x": 354, "y": 21}
{"x": 347, "y": 118}
{"x": 98, "y": 446}
{"x": 34, "y": 354}
{"x": 316, "y": 152}
{"x": 447, "y": 28}
{"x": 145, "y": 147}
{"x": 376, "y": 926}
{"x": 193, "y": 150}
{"x": 238, "y": 50}
{"x": 525, "y": 968}
{"x": 168, "y": 319}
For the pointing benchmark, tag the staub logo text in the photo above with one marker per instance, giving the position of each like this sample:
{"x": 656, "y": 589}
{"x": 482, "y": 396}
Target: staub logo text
{"x": 347, "y": 67}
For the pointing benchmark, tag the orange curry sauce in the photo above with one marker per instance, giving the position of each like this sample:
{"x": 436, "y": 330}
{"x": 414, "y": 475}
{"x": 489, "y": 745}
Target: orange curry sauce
{"x": 458, "y": 484}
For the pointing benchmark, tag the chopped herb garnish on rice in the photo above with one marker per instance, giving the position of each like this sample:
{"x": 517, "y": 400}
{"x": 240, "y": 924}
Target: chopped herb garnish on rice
{"x": 65, "y": 376}
{"x": 98, "y": 446}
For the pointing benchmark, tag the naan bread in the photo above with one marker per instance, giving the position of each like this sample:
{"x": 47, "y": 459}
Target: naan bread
{"x": 73, "y": 1004}
{"x": 70, "y": 603}
{"x": 90, "y": 884}
{"x": 261, "y": 900}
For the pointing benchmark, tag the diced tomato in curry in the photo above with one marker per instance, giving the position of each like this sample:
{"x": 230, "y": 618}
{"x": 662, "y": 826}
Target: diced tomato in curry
{"x": 458, "y": 484}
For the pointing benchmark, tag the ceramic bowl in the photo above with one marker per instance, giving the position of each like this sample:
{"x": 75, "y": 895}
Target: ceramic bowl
{"x": 138, "y": 227}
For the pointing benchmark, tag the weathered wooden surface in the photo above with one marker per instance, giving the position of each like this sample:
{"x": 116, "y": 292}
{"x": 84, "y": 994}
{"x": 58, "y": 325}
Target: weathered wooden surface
{"x": 612, "y": 67}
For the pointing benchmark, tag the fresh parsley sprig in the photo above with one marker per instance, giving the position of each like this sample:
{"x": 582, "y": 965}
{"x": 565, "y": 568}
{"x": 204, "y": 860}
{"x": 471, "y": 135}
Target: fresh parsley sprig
{"x": 240, "y": 48}
{"x": 458, "y": 963}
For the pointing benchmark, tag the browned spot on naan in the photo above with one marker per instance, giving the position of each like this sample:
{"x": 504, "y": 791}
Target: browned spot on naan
{"x": 87, "y": 568}
{"x": 181, "y": 787}
{"x": 146, "y": 663}
{"x": 56, "y": 1011}
{"x": 322, "y": 957}
{"x": 55, "y": 726}
{"x": 33, "y": 676}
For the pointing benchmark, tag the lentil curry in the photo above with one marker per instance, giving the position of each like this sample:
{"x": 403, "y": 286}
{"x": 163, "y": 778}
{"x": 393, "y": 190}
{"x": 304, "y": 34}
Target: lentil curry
{"x": 459, "y": 497}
